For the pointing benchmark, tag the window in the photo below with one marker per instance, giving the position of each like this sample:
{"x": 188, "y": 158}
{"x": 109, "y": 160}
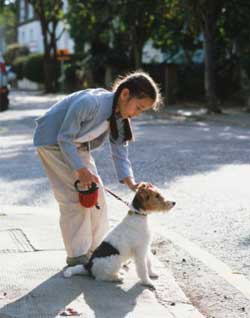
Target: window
{"x": 30, "y": 12}
{"x": 31, "y": 35}
{"x": 22, "y": 10}
{"x": 23, "y": 37}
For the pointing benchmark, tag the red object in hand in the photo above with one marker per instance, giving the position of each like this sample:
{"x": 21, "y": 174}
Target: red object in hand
{"x": 88, "y": 198}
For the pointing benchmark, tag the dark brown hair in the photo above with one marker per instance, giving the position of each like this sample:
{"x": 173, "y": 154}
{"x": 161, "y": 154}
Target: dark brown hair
{"x": 140, "y": 85}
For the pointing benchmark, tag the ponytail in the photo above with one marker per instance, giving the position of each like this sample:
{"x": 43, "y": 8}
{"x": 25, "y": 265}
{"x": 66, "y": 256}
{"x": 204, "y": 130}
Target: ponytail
{"x": 128, "y": 136}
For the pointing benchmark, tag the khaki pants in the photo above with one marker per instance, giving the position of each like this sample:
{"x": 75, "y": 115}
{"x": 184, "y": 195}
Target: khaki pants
{"x": 82, "y": 228}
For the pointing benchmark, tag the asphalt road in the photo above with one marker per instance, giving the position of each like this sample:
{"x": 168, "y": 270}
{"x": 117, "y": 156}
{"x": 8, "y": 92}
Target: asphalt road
{"x": 202, "y": 165}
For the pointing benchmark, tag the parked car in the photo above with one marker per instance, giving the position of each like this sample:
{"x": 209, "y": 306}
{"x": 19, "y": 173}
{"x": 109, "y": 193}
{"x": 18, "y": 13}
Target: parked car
{"x": 11, "y": 76}
{"x": 4, "y": 92}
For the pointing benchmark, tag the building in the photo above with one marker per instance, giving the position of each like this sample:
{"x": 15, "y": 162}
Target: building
{"x": 29, "y": 31}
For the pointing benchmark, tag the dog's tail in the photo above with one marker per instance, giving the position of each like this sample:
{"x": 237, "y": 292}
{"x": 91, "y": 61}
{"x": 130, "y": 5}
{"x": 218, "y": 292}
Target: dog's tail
{"x": 75, "y": 270}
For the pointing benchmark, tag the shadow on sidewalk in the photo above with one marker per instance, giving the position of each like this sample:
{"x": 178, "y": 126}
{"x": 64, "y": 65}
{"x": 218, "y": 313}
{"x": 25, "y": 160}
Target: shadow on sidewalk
{"x": 100, "y": 299}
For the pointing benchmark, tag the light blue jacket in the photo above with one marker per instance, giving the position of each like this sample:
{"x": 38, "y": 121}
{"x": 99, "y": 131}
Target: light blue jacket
{"x": 73, "y": 117}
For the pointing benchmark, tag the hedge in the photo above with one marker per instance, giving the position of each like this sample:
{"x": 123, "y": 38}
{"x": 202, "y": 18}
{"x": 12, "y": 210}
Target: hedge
{"x": 18, "y": 65}
{"x": 30, "y": 67}
{"x": 14, "y": 51}
{"x": 33, "y": 68}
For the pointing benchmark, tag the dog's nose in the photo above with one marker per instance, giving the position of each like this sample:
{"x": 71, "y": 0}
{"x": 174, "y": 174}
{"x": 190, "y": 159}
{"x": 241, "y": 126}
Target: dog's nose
{"x": 174, "y": 203}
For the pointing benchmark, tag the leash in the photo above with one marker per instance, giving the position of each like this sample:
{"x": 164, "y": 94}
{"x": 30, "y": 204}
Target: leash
{"x": 88, "y": 198}
{"x": 116, "y": 196}
{"x": 130, "y": 212}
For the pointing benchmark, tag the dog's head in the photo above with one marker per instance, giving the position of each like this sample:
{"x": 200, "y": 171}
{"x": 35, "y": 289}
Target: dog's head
{"x": 148, "y": 198}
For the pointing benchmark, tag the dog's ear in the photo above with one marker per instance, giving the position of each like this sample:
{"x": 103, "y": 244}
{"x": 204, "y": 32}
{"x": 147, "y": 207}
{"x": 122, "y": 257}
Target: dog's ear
{"x": 138, "y": 201}
{"x": 142, "y": 185}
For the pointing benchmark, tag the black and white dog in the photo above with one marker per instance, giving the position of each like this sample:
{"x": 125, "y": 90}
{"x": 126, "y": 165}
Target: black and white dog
{"x": 131, "y": 238}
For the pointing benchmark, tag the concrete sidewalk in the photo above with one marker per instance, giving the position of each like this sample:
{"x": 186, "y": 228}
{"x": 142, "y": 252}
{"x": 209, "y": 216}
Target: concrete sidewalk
{"x": 32, "y": 285}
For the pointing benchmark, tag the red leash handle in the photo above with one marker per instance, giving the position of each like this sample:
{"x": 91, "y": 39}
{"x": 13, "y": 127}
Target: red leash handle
{"x": 88, "y": 198}
{"x": 93, "y": 188}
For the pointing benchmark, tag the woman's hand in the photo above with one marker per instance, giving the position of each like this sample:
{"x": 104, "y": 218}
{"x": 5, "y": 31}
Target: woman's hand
{"x": 133, "y": 185}
{"x": 86, "y": 177}
{"x": 130, "y": 182}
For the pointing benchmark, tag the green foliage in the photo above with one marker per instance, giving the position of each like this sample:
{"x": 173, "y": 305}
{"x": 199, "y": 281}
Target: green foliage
{"x": 70, "y": 70}
{"x": 13, "y": 51}
{"x": 30, "y": 67}
{"x": 91, "y": 27}
{"x": 8, "y": 21}
{"x": 89, "y": 23}
{"x": 137, "y": 24}
{"x": 174, "y": 31}
{"x": 33, "y": 68}
{"x": 48, "y": 10}
{"x": 18, "y": 66}
{"x": 234, "y": 28}
{"x": 115, "y": 30}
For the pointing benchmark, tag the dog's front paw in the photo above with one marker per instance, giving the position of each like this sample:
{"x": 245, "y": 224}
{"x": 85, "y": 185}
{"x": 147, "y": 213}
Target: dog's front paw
{"x": 67, "y": 272}
{"x": 118, "y": 279}
{"x": 153, "y": 275}
{"x": 148, "y": 283}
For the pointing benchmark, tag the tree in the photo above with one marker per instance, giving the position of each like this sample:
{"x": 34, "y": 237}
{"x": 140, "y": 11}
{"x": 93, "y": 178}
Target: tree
{"x": 8, "y": 21}
{"x": 224, "y": 27}
{"x": 206, "y": 14}
{"x": 235, "y": 39}
{"x": 175, "y": 31}
{"x": 137, "y": 23}
{"x": 182, "y": 24}
{"x": 91, "y": 29}
{"x": 49, "y": 14}
{"x": 113, "y": 26}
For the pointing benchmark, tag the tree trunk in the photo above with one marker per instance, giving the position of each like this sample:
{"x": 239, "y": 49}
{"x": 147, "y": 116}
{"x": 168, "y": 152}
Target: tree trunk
{"x": 245, "y": 87}
{"x": 49, "y": 66}
{"x": 108, "y": 76}
{"x": 137, "y": 56}
{"x": 48, "y": 84}
{"x": 48, "y": 71}
{"x": 209, "y": 30}
{"x": 136, "y": 46}
{"x": 49, "y": 42}
{"x": 171, "y": 84}
{"x": 53, "y": 54}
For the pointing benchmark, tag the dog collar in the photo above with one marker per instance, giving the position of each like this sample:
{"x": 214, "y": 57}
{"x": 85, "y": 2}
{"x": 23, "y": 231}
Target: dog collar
{"x": 133, "y": 210}
{"x": 130, "y": 212}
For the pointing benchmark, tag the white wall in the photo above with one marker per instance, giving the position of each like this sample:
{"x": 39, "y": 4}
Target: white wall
{"x": 30, "y": 35}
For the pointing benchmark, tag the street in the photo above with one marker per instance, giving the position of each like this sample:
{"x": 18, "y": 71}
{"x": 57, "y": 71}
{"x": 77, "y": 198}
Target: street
{"x": 202, "y": 165}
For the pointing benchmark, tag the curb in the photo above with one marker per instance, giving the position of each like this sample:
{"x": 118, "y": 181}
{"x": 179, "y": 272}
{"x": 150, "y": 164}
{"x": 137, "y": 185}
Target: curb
{"x": 173, "y": 298}
{"x": 213, "y": 118}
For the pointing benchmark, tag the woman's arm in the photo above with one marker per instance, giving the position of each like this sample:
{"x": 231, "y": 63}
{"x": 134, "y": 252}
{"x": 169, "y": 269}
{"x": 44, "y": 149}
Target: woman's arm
{"x": 130, "y": 182}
